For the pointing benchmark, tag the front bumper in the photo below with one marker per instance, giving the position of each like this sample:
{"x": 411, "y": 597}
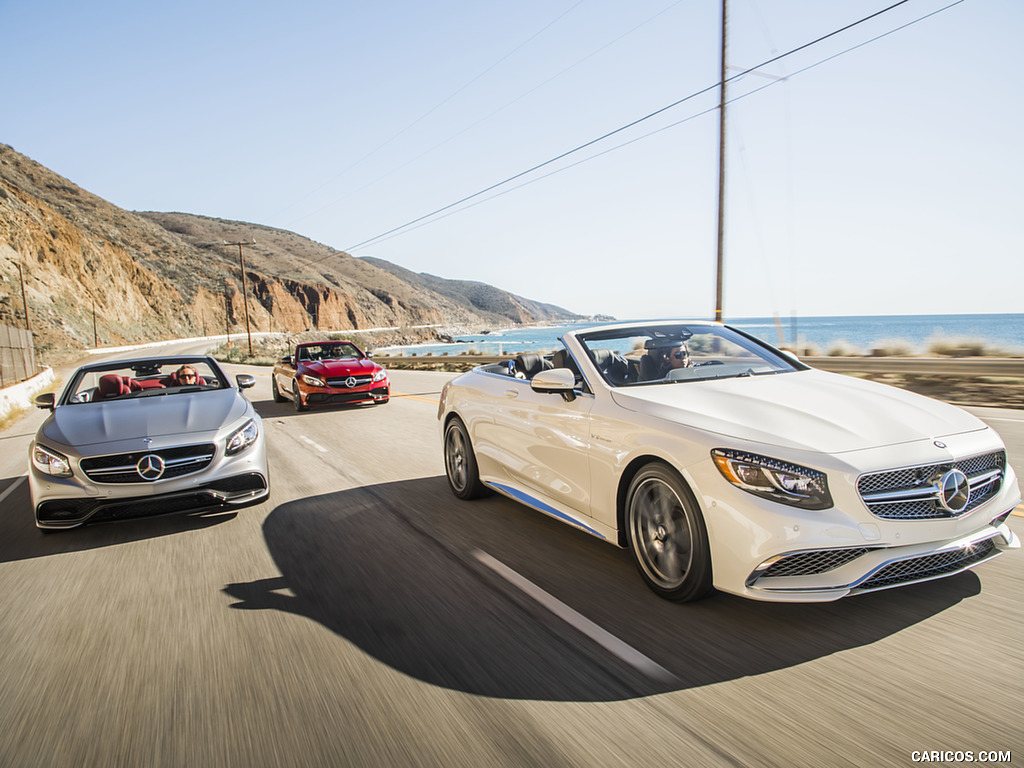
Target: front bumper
{"x": 829, "y": 574}
{"x": 220, "y": 495}
{"x": 330, "y": 396}
{"x": 227, "y": 482}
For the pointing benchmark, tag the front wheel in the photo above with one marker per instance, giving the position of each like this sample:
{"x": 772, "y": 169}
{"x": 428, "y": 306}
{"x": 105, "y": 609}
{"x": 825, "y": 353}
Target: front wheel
{"x": 278, "y": 397}
{"x": 667, "y": 536}
{"x": 297, "y": 398}
{"x": 460, "y": 462}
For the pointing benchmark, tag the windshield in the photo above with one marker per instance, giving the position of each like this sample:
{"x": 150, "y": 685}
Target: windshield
{"x": 668, "y": 353}
{"x": 329, "y": 351}
{"x": 143, "y": 378}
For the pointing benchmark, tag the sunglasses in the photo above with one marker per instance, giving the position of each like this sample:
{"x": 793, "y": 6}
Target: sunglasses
{"x": 680, "y": 355}
{"x": 191, "y": 376}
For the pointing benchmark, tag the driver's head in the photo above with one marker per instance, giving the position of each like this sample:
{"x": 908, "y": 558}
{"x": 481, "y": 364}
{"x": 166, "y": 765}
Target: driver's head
{"x": 679, "y": 357}
{"x": 186, "y": 374}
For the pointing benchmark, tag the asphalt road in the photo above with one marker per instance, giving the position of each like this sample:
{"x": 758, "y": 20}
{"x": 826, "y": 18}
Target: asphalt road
{"x": 365, "y": 617}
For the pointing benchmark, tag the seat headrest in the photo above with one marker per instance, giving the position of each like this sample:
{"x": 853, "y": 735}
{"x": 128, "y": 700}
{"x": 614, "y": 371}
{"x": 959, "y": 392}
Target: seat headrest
{"x": 530, "y": 364}
{"x": 112, "y": 385}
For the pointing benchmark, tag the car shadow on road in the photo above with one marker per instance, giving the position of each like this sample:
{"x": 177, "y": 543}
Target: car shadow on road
{"x": 21, "y": 540}
{"x": 393, "y": 568}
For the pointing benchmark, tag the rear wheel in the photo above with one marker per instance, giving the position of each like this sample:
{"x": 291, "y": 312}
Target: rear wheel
{"x": 667, "y": 536}
{"x": 460, "y": 462}
{"x": 297, "y": 398}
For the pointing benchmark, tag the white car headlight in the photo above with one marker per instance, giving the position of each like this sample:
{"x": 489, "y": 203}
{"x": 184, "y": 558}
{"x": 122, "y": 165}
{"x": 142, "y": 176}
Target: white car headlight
{"x": 50, "y": 462}
{"x": 773, "y": 479}
{"x": 380, "y": 375}
{"x": 313, "y": 381}
{"x": 242, "y": 438}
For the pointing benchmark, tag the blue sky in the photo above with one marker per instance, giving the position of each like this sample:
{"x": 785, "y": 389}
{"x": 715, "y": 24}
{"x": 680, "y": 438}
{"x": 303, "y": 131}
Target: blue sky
{"x": 887, "y": 180}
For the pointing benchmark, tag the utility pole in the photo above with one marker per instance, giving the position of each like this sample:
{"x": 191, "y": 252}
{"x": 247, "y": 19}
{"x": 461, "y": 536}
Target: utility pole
{"x": 24, "y": 297}
{"x": 245, "y": 299}
{"x": 95, "y": 336}
{"x": 721, "y": 173}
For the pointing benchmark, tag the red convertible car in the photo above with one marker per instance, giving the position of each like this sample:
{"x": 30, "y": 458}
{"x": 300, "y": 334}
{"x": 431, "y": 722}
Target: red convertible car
{"x": 329, "y": 373}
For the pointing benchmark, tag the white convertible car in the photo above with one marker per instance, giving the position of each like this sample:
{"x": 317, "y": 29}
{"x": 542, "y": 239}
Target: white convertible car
{"x": 721, "y": 462}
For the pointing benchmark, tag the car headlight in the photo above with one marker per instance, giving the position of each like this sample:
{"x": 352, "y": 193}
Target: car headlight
{"x": 50, "y": 462}
{"x": 380, "y": 375}
{"x": 242, "y": 438}
{"x": 773, "y": 479}
{"x": 313, "y": 381}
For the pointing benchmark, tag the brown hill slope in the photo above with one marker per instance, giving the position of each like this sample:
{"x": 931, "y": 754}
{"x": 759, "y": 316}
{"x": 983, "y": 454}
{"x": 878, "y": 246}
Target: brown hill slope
{"x": 153, "y": 276}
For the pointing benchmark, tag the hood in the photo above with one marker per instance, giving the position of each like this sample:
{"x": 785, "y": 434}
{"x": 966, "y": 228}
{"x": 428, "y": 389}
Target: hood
{"x": 335, "y": 368}
{"x": 105, "y": 422}
{"x": 806, "y": 410}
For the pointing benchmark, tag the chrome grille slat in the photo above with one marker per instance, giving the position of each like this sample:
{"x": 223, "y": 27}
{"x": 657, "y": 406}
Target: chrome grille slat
{"x": 121, "y": 468}
{"x": 911, "y": 493}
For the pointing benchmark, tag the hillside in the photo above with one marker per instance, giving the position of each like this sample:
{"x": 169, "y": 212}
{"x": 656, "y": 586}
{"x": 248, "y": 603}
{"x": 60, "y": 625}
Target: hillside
{"x": 153, "y": 276}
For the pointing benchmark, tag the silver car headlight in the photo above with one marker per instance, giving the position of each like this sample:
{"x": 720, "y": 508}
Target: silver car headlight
{"x": 773, "y": 479}
{"x": 242, "y": 438}
{"x": 50, "y": 462}
{"x": 380, "y": 375}
{"x": 313, "y": 381}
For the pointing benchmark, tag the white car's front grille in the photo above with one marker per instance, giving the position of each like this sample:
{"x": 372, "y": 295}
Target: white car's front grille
{"x": 915, "y": 493}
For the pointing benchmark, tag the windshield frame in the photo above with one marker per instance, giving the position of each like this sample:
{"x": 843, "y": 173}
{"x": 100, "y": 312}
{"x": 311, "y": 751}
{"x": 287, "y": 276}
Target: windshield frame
{"x": 146, "y": 368}
{"x": 738, "y": 355}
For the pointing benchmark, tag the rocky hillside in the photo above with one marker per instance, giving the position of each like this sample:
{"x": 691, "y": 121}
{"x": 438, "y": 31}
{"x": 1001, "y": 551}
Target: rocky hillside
{"x": 149, "y": 276}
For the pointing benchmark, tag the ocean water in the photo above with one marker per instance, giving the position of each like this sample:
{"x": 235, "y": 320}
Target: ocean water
{"x": 855, "y": 333}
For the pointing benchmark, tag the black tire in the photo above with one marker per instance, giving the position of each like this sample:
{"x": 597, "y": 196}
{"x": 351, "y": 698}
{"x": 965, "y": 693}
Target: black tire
{"x": 667, "y": 536}
{"x": 278, "y": 397}
{"x": 297, "y": 398}
{"x": 460, "y": 462}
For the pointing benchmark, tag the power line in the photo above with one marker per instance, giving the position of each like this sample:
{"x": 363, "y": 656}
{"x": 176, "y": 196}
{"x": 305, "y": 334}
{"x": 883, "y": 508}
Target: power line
{"x": 483, "y": 119}
{"x": 629, "y": 125}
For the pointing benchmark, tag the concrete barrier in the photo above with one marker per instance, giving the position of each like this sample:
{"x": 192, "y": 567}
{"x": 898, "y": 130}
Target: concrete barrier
{"x": 21, "y": 395}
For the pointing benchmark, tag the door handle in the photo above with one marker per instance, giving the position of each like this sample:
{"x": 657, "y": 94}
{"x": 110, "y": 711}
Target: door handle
{"x": 512, "y": 394}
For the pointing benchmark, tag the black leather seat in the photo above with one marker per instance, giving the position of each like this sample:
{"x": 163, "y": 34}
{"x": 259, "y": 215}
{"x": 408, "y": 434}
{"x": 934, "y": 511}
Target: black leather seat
{"x": 649, "y": 368}
{"x": 529, "y": 364}
{"x": 562, "y": 359}
{"x": 612, "y": 366}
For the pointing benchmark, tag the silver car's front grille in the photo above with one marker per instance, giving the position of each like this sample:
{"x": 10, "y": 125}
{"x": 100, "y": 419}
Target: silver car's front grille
{"x": 149, "y": 466}
{"x": 915, "y": 493}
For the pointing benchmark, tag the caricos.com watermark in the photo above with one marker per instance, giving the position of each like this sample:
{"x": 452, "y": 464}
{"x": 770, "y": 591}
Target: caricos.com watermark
{"x": 959, "y": 756}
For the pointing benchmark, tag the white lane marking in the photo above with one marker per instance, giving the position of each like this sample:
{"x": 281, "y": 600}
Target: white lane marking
{"x": 315, "y": 445}
{"x": 10, "y": 488}
{"x": 599, "y": 635}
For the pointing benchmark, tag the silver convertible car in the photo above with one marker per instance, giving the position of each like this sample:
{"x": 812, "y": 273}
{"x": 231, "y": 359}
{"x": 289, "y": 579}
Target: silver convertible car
{"x": 721, "y": 462}
{"x": 146, "y": 437}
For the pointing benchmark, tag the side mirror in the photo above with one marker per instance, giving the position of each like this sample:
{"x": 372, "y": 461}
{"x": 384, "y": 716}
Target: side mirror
{"x": 555, "y": 380}
{"x": 286, "y": 359}
{"x": 790, "y": 354}
{"x": 47, "y": 401}
{"x": 245, "y": 381}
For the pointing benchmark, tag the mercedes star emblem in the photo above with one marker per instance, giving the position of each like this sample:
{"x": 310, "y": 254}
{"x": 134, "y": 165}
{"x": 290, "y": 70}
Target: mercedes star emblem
{"x": 954, "y": 491}
{"x": 150, "y": 467}
{"x": 350, "y": 382}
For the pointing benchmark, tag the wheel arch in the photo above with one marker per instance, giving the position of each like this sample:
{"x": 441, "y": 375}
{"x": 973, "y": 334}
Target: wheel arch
{"x": 626, "y": 479}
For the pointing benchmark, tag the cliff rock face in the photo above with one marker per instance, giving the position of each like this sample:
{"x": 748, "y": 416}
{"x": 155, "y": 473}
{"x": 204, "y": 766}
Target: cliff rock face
{"x": 96, "y": 274}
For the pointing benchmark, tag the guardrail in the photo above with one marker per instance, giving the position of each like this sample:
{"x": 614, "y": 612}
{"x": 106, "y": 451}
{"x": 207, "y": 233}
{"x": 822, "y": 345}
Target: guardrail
{"x": 1012, "y": 367}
